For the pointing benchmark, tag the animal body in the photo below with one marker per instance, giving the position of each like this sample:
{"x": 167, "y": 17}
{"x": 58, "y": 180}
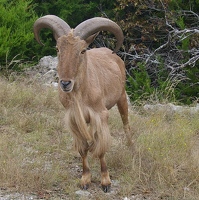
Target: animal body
{"x": 90, "y": 83}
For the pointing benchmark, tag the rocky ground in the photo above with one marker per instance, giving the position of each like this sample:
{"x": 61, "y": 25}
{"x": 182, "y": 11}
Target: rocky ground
{"x": 45, "y": 71}
{"x": 94, "y": 192}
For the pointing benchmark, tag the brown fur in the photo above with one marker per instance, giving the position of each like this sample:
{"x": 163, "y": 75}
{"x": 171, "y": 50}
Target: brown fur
{"x": 99, "y": 83}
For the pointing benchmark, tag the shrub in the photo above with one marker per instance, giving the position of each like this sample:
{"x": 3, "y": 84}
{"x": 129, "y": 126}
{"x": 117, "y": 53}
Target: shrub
{"x": 16, "y": 18}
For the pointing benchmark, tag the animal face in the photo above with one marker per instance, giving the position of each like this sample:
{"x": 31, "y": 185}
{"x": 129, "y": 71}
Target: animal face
{"x": 71, "y": 61}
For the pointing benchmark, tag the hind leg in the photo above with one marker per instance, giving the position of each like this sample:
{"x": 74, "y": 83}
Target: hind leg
{"x": 122, "y": 105}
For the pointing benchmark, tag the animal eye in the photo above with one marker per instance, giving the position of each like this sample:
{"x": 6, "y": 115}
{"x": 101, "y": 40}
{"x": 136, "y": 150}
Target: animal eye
{"x": 83, "y": 51}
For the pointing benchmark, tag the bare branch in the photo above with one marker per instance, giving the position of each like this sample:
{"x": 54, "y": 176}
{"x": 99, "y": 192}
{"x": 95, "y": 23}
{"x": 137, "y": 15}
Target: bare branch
{"x": 171, "y": 53}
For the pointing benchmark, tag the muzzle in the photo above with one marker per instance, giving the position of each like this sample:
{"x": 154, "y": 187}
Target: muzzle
{"x": 67, "y": 86}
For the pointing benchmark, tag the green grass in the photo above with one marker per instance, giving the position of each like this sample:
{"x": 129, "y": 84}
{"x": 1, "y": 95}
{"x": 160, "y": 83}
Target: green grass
{"x": 36, "y": 149}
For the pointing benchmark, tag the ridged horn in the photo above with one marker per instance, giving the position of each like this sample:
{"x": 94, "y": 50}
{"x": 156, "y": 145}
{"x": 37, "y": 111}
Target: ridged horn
{"x": 52, "y": 22}
{"x": 96, "y": 24}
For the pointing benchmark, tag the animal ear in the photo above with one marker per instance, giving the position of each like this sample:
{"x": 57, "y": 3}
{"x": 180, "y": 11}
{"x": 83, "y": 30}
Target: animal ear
{"x": 91, "y": 38}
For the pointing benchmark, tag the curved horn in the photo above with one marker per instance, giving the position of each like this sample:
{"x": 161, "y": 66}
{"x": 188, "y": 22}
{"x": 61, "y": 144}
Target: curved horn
{"x": 54, "y": 23}
{"x": 96, "y": 24}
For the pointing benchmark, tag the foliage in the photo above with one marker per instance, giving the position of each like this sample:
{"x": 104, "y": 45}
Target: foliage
{"x": 192, "y": 5}
{"x": 16, "y": 19}
{"x": 160, "y": 48}
{"x": 73, "y": 12}
{"x": 187, "y": 91}
{"x": 139, "y": 83}
{"x": 141, "y": 87}
{"x": 163, "y": 37}
{"x": 143, "y": 23}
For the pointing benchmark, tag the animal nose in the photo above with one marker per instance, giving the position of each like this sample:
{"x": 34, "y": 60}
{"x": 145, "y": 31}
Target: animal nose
{"x": 65, "y": 84}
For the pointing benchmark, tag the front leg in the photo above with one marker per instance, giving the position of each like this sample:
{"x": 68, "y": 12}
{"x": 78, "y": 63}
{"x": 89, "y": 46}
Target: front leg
{"x": 105, "y": 178}
{"x": 86, "y": 175}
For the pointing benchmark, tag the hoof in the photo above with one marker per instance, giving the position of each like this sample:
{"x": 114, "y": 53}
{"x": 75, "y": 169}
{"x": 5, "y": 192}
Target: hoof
{"x": 106, "y": 188}
{"x": 85, "y": 187}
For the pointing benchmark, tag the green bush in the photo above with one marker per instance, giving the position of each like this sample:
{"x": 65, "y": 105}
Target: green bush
{"x": 160, "y": 87}
{"x": 139, "y": 83}
{"x": 16, "y": 21}
{"x": 141, "y": 86}
{"x": 187, "y": 91}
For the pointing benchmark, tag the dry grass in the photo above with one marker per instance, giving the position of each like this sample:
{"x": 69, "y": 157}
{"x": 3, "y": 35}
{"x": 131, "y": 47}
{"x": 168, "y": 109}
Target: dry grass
{"x": 36, "y": 153}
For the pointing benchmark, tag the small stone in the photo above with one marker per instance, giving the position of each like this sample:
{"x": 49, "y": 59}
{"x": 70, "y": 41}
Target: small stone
{"x": 82, "y": 193}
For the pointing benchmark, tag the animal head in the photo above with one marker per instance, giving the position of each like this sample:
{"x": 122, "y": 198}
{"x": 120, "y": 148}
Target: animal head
{"x": 72, "y": 44}
{"x": 71, "y": 60}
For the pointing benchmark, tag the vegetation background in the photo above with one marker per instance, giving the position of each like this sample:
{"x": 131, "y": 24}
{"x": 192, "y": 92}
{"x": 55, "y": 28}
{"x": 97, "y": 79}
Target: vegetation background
{"x": 160, "y": 48}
